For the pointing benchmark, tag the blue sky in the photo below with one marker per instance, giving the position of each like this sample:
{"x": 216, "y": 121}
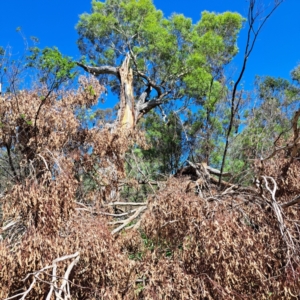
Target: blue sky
{"x": 276, "y": 53}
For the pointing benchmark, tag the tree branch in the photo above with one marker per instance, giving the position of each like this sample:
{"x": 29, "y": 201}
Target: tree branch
{"x": 130, "y": 219}
{"x": 108, "y": 70}
{"x": 296, "y": 200}
{"x": 250, "y": 43}
{"x": 126, "y": 204}
{"x": 143, "y": 108}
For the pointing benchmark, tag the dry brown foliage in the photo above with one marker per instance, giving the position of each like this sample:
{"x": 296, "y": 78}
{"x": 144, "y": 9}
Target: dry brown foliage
{"x": 195, "y": 241}
{"x": 97, "y": 273}
{"x": 285, "y": 173}
{"x": 224, "y": 249}
{"x": 48, "y": 154}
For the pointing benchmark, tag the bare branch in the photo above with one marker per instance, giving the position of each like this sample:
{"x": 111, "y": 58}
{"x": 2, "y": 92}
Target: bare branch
{"x": 108, "y": 70}
{"x": 64, "y": 288}
{"x": 296, "y": 200}
{"x": 217, "y": 172}
{"x": 130, "y": 219}
{"x": 65, "y": 280}
{"x": 126, "y": 204}
{"x": 250, "y": 43}
{"x": 143, "y": 75}
{"x": 278, "y": 212}
{"x": 143, "y": 108}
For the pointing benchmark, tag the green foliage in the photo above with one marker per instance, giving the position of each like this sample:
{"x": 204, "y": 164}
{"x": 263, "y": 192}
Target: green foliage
{"x": 184, "y": 60}
{"x": 34, "y": 39}
{"x": 164, "y": 155}
{"x": 167, "y": 143}
{"x": 176, "y": 54}
{"x": 54, "y": 68}
{"x": 2, "y": 51}
{"x": 206, "y": 130}
{"x": 91, "y": 91}
{"x": 296, "y": 74}
{"x": 264, "y": 122}
{"x": 217, "y": 34}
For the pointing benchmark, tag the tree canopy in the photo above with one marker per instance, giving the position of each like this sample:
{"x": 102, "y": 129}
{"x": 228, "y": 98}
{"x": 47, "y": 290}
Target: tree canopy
{"x": 172, "y": 56}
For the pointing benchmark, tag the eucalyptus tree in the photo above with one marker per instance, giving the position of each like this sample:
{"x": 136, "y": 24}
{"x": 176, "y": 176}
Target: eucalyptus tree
{"x": 150, "y": 59}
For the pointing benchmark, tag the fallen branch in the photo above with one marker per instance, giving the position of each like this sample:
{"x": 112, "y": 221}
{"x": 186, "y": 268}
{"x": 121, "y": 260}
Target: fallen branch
{"x": 9, "y": 225}
{"x": 130, "y": 219}
{"x": 278, "y": 212}
{"x": 292, "y": 202}
{"x": 64, "y": 288}
{"x": 123, "y": 214}
{"x": 224, "y": 184}
{"x": 126, "y": 204}
{"x": 118, "y": 215}
{"x": 216, "y": 172}
{"x": 65, "y": 281}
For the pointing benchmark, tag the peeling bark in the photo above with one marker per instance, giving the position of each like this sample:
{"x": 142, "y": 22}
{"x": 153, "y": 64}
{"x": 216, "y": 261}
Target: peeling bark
{"x": 126, "y": 114}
